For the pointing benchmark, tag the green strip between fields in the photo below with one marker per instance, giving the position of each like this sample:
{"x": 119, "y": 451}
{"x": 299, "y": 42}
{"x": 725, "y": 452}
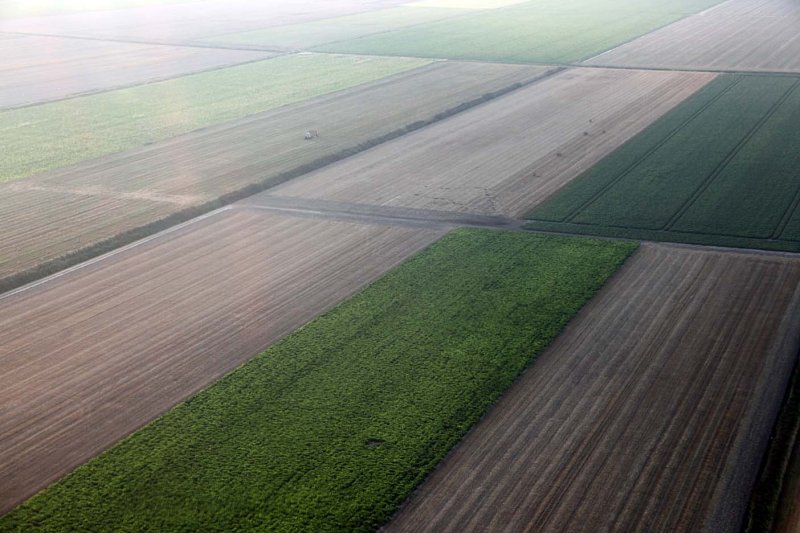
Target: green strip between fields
{"x": 330, "y": 429}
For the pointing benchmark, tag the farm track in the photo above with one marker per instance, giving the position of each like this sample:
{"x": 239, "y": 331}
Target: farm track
{"x": 639, "y": 416}
{"x": 508, "y": 155}
{"x": 752, "y": 35}
{"x": 91, "y": 355}
{"x": 34, "y": 70}
{"x": 122, "y": 192}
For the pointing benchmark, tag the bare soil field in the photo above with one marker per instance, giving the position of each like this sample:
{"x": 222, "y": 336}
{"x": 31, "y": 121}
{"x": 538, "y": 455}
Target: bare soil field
{"x": 37, "y": 69}
{"x": 750, "y": 35}
{"x": 127, "y": 190}
{"x": 650, "y": 412}
{"x": 184, "y": 22}
{"x": 92, "y": 355}
{"x": 508, "y": 155}
{"x": 788, "y": 513}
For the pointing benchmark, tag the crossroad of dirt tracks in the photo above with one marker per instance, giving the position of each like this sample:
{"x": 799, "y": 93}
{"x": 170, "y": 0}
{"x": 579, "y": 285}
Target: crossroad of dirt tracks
{"x": 92, "y": 355}
{"x": 651, "y": 411}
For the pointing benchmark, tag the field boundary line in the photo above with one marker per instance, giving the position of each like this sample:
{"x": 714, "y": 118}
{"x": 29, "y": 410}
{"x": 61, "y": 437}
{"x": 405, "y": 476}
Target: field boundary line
{"x": 715, "y": 173}
{"x": 112, "y": 253}
{"x": 650, "y": 151}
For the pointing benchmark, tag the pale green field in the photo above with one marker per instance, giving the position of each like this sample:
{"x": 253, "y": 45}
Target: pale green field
{"x": 558, "y": 31}
{"x": 340, "y": 28}
{"x": 60, "y": 133}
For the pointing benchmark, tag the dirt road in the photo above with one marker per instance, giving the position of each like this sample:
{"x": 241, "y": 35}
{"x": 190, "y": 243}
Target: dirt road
{"x": 650, "y": 412}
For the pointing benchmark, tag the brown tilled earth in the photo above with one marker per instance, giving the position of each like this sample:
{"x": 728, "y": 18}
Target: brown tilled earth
{"x": 506, "y": 156}
{"x": 92, "y": 355}
{"x": 756, "y": 35}
{"x": 650, "y": 412}
{"x": 37, "y": 69}
{"x": 49, "y": 215}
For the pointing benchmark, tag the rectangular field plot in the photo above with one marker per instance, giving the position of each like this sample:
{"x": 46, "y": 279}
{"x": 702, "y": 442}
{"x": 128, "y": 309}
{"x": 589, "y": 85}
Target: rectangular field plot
{"x": 538, "y": 31}
{"x": 723, "y": 168}
{"x": 750, "y": 35}
{"x": 330, "y": 429}
{"x": 92, "y": 355}
{"x": 36, "y": 69}
{"x": 507, "y": 155}
{"x": 650, "y": 412}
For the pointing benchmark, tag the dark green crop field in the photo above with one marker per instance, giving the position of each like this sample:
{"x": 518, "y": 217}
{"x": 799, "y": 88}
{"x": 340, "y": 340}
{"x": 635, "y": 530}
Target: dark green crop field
{"x": 331, "y": 428}
{"x": 722, "y": 169}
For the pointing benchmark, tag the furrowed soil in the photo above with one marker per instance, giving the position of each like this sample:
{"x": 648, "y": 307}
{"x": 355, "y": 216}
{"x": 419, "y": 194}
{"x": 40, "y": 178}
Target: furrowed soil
{"x": 751, "y": 35}
{"x": 91, "y": 355}
{"x": 36, "y": 69}
{"x": 508, "y": 155}
{"x": 650, "y": 412}
{"x": 188, "y": 171}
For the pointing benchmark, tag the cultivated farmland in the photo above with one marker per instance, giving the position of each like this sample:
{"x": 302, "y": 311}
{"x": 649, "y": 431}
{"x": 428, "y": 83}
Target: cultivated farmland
{"x": 720, "y": 169}
{"x": 171, "y": 315}
{"x": 199, "y": 167}
{"x": 37, "y": 69}
{"x": 328, "y": 430}
{"x": 509, "y": 154}
{"x": 758, "y": 35}
{"x": 539, "y": 31}
{"x": 650, "y": 412}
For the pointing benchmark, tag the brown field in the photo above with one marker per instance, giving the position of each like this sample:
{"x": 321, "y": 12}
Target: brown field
{"x": 751, "y": 35}
{"x": 37, "y": 69}
{"x": 92, "y": 355}
{"x": 61, "y": 211}
{"x": 505, "y": 156}
{"x": 650, "y": 412}
{"x": 182, "y": 22}
{"x": 788, "y": 513}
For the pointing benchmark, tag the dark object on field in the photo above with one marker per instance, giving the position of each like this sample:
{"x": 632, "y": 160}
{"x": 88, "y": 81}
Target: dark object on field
{"x": 585, "y": 133}
{"x": 311, "y": 134}
{"x": 559, "y": 154}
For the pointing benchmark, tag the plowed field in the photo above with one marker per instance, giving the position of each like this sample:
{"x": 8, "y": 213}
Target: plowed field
{"x": 507, "y": 155}
{"x": 94, "y": 354}
{"x": 756, "y": 35}
{"x": 650, "y": 412}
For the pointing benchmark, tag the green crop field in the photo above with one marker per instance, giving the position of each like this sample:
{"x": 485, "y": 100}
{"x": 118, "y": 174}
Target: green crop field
{"x": 537, "y": 31}
{"x": 331, "y": 428}
{"x": 59, "y": 133}
{"x": 340, "y": 28}
{"x": 723, "y": 168}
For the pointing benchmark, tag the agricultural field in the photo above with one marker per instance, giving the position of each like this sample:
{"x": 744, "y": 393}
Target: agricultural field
{"x": 650, "y": 412}
{"x": 37, "y": 69}
{"x": 24, "y": 8}
{"x": 720, "y": 169}
{"x": 171, "y": 315}
{"x": 329, "y": 429}
{"x": 750, "y": 35}
{"x": 509, "y": 154}
{"x": 256, "y": 151}
{"x": 788, "y": 514}
{"x": 62, "y": 133}
{"x": 539, "y": 31}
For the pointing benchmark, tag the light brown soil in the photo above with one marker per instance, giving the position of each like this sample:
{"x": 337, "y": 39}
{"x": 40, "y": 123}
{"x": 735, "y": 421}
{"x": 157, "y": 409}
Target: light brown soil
{"x": 650, "y": 412}
{"x": 58, "y": 212}
{"x": 505, "y": 156}
{"x": 183, "y": 22}
{"x": 755, "y": 35}
{"x": 37, "y": 69}
{"x": 92, "y": 355}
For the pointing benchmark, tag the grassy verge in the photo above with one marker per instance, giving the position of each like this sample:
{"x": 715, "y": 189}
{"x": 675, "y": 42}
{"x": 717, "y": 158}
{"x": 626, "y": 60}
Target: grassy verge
{"x": 331, "y": 428}
{"x": 538, "y": 31}
{"x": 60, "y": 133}
{"x": 719, "y": 169}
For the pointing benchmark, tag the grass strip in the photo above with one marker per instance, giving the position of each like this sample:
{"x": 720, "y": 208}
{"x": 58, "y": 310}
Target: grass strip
{"x": 56, "y": 134}
{"x": 332, "y": 428}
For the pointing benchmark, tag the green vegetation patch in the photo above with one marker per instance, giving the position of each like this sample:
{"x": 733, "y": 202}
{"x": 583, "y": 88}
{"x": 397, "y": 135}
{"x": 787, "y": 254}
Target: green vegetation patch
{"x": 303, "y": 36}
{"x": 60, "y": 133}
{"x": 722, "y": 168}
{"x": 537, "y": 31}
{"x": 331, "y": 428}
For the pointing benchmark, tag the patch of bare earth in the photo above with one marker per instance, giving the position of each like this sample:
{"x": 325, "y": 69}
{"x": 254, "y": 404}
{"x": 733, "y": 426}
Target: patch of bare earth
{"x": 650, "y": 412}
